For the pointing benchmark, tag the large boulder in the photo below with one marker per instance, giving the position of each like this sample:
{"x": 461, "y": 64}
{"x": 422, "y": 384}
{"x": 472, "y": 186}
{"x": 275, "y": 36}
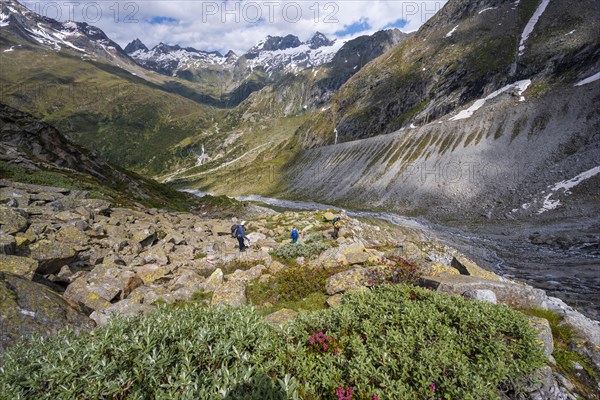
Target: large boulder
{"x": 357, "y": 258}
{"x": 248, "y": 275}
{"x": 30, "y": 309}
{"x": 52, "y": 255}
{"x": 510, "y": 293}
{"x": 354, "y": 279}
{"x": 21, "y": 266}
{"x": 186, "y": 284}
{"x": 214, "y": 281}
{"x": 152, "y": 273}
{"x": 232, "y": 293}
{"x": 104, "y": 284}
{"x": 12, "y": 221}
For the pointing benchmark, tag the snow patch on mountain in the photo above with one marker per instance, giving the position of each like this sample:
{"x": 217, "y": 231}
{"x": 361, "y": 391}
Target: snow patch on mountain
{"x": 590, "y": 79}
{"x": 4, "y": 19}
{"x": 550, "y": 204}
{"x": 449, "y": 34}
{"x": 295, "y": 59}
{"x": 520, "y": 86}
{"x": 531, "y": 25}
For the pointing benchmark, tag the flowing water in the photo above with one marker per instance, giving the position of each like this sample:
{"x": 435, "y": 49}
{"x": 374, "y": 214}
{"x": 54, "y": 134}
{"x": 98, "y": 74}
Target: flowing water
{"x": 572, "y": 275}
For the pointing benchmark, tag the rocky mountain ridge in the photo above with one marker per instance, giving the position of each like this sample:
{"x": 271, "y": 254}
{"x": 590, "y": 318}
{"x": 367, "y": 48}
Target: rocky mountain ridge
{"x": 80, "y": 37}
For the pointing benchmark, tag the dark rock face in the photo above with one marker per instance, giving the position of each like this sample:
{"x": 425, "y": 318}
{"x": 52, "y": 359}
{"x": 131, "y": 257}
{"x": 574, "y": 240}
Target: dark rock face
{"x": 319, "y": 40}
{"x": 135, "y": 46}
{"x": 281, "y": 43}
{"x": 441, "y": 67}
{"x": 28, "y": 308}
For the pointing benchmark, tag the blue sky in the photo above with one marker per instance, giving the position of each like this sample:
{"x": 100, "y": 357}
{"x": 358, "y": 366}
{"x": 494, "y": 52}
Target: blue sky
{"x": 238, "y": 25}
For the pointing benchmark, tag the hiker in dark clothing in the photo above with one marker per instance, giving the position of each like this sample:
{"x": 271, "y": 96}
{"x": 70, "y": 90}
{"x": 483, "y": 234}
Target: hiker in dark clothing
{"x": 241, "y": 235}
{"x": 337, "y": 224}
{"x": 294, "y": 235}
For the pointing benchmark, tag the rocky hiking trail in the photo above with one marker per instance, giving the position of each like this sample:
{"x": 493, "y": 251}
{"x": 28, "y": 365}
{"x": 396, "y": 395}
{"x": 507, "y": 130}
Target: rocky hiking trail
{"x": 70, "y": 260}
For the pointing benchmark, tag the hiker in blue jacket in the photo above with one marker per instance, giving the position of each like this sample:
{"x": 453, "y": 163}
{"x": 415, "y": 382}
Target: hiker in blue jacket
{"x": 241, "y": 235}
{"x": 294, "y": 235}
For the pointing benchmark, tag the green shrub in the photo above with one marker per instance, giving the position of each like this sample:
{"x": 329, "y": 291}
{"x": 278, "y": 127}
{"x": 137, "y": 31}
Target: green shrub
{"x": 307, "y": 250}
{"x": 291, "y": 284}
{"x": 396, "y": 342}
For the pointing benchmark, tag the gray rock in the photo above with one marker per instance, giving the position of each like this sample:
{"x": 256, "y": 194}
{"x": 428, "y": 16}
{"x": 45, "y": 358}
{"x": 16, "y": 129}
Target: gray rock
{"x": 105, "y": 283}
{"x": 357, "y": 258}
{"x": 52, "y": 255}
{"x": 21, "y": 266}
{"x": 30, "y": 309}
{"x": 12, "y": 221}
{"x": 248, "y": 275}
{"x": 481, "y": 295}
{"x": 214, "y": 281}
{"x": 349, "y": 280}
{"x": 513, "y": 294}
{"x": 544, "y": 333}
{"x": 125, "y": 308}
{"x": 8, "y": 244}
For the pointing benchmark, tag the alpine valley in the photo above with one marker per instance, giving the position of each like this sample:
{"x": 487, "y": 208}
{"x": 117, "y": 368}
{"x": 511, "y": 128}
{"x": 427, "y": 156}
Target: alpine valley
{"x": 473, "y": 141}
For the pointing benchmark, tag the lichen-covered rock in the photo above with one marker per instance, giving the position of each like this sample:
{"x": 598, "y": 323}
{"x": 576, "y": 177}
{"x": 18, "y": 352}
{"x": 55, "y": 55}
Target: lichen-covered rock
{"x": 96, "y": 289}
{"x": 145, "y": 235}
{"x": 467, "y": 267}
{"x": 281, "y": 317}
{"x": 52, "y": 255}
{"x": 349, "y": 280}
{"x": 510, "y": 293}
{"x": 155, "y": 255}
{"x": 186, "y": 284}
{"x": 125, "y": 308}
{"x": 214, "y": 281}
{"x": 357, "y": 258}
{"x": 275, "y": 267}
{"x": 334, "y": 301}
{"x": 21, "y": 266}
{"x": 30, "y": 309}
{"x": 248, "y": 275}
{"x": 8, "y": 244}
{"x": 232, "y": 293}
{"x": 542, "y": 328}
{"x": 151, "y": 273}
{"x": 12, "y": 221}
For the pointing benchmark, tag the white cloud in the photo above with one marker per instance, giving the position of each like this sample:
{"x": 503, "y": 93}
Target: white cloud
{"x": 237, "y": 25}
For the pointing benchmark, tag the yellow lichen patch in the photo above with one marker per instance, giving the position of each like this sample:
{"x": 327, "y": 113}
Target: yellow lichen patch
{"x": 20, "y": 266}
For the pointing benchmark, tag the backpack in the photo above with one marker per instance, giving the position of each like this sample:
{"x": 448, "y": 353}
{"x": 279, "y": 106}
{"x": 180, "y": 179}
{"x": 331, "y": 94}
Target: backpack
{"x": 336, "y": 219}
{"x": 234, "y": 229}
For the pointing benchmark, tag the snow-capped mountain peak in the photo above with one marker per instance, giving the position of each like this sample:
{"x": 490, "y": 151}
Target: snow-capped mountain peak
{"x": 78, "y": 36}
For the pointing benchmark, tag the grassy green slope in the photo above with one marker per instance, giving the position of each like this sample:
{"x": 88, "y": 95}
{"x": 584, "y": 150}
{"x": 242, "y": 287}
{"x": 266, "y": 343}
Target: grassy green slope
{"x": 128, "y": 120}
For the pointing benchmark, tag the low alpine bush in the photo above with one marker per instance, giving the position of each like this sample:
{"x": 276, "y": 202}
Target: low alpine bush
{"x": 380, "y": 344}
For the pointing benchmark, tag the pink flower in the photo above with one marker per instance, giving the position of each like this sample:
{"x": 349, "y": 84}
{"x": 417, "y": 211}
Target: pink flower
{"x": 432, "y": 387}
{"x": 375, "y": 397}
{"x": 325, "y": 346}
{"x": 336, "y": 351}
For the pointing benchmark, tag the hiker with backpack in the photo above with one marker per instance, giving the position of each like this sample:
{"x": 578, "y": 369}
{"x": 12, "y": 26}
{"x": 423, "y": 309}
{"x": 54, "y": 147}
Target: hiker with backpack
{"x": 337, "y": 224}
{"x": 295, "y": 234}
{"x": 239, "y": 232}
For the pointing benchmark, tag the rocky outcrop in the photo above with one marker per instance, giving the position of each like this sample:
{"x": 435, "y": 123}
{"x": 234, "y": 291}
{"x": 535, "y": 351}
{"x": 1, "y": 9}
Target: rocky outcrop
{"x": 509, "y": 293}
{"x": 355, "y": 279}
{"x": 30, "y": 309}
